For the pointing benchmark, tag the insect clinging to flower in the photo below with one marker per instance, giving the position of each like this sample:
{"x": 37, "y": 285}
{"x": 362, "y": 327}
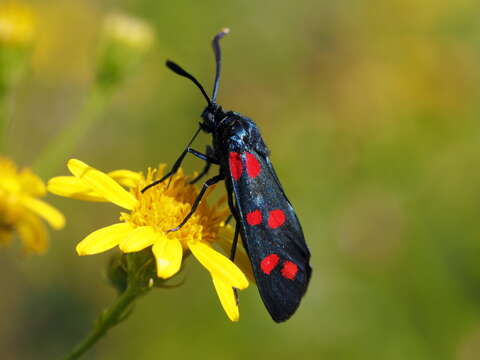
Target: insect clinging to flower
{"x": 265, "y": 218}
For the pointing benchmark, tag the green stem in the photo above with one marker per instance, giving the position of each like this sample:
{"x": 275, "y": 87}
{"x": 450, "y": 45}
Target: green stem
{"x": 139, "y": 271}
{"x": 108, "y": 319}
{"x": 61, "y": 148}
{"x": 5, "y": 112}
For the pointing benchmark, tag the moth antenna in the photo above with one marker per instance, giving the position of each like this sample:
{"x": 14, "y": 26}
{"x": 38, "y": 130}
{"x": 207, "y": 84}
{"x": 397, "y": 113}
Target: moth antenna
{"x": 177, "y": 69}
{"x": 218, "y": 61}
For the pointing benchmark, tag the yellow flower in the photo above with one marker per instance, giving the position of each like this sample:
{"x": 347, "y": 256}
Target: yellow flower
{"x": 150, "y": 216}
{"x": 17, "y": 24}
{"x": 125, "y": 43}
{"x": 21, "y": 210}
{"x": 17, "y": 31}
{"x": 130, "y": 31}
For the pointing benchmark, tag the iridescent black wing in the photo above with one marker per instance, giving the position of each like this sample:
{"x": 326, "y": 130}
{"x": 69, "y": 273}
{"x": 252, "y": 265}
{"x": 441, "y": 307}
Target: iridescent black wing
{"x": 270, "y": 231}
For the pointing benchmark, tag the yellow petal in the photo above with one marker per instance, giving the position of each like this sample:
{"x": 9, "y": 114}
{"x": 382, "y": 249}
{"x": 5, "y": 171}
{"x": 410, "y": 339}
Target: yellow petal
{"x": 103, "y": 239}
{"x": 102, "y": 184}
{"x": 227, "y": 298}
{"x": 138, "y": 239}
{"x": 72, "y": 187}
{"x": 32, "y": 183}
{"x": 225, "y": 237}
{"x": 168, "y": 253}
{"x": 33, "y": 234}
{"x": 218, "y": 264}
{"x": 126, "y": 177}
{"x": 54, "y": 217}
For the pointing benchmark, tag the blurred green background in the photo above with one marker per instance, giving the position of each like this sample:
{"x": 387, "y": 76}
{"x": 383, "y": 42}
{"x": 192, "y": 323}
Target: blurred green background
{"x": 371, "y": 112}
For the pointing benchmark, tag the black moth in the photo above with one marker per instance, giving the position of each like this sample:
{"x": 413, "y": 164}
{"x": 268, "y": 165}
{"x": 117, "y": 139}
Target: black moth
{"x": 265, "y": 219}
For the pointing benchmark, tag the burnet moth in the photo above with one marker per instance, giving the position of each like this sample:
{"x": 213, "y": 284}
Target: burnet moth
{"x": 265, "y": 219}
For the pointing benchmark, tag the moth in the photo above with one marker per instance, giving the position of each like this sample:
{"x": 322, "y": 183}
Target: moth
{"x": 265, "y": 219}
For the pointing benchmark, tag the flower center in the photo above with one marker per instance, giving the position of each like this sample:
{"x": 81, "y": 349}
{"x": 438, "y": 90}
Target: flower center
{"x": 166, "y": 205}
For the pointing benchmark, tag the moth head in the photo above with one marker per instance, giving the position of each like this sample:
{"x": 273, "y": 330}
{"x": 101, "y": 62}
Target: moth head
{"x": 211, "y": 116}
{"x": 213, "y": 113}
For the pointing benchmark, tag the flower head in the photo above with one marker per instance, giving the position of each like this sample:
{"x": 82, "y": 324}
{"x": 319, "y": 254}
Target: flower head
{"x": 21, "y": 210}
{"x": 129, "y": 31}
{"x": 125, "y": 42}
{"x": 17, "y": 31}
{"x": 17, "y": 25}
{"x": 148, "y": 218}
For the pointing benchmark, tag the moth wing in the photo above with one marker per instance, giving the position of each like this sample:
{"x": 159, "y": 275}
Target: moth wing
{"x": 271, "y": 233}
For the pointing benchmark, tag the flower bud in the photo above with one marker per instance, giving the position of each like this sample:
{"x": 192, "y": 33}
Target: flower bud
{"x": 125, "y": 42}
{"x": 117, "y": 273}
{"x": 17, "y": 31}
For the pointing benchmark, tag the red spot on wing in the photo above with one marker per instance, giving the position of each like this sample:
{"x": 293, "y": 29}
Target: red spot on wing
{"x": 276, "y": 218}
{"x": 235, "y": 165}
{"x": 269, "y": 263}
{"x": 253, "y": 166}
{"x": 254, "y": 217}
{"x": 289, "y": 270}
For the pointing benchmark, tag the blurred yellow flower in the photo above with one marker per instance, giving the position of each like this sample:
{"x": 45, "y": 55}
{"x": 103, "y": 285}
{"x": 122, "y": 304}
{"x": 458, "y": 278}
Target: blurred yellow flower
{"x": 128, "y": 30}
{"x": 149, "y": 218}
{"x": 125, "y": 42}
{"x": 21, "y": 210}
{"x": 17, "y": 24}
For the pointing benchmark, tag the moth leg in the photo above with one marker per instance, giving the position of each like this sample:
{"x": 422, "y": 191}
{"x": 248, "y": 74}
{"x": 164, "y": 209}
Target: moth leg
{"x": 229, "y": 218}
{"x": 210, "y": 155}
{"x": 231, "y": 204}
{"x": 206, "y": 185}
{"x": 232, "y": 256}
{"x": 234, "y": 214}
{"x": 233, "y": 250}
{"x": 178, "y": 163}
{"x": 234, "y": 243}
